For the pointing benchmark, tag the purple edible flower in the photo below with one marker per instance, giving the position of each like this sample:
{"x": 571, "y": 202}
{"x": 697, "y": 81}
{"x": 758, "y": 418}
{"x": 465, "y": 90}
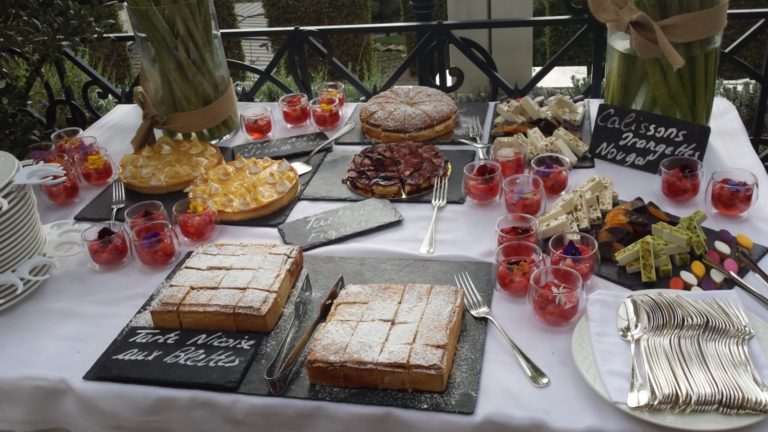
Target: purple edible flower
{"x": 150, "y": 239}
{"x": 571, "y": 249}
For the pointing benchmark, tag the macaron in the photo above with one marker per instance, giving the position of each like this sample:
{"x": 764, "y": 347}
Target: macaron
{"x": 698, "y": 269}
{"x": 689, "y": 280}
{"x": 744, "y": 241}
{"x": 725, "y": 236}
{"x": 722, "y": 249}
{"x": 717, "y": 277}
{"x": 676, "y": 283}
{"x": 713, "y": 256}
{"x": 731, "y": 265}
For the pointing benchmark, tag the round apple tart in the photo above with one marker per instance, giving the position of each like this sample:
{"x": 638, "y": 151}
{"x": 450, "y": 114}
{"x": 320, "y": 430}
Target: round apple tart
{"x": 396, "y": 170}
{"x": 167, "y": 165}
{"x": 411, "y": 113}
{"x": 248, "y": 188}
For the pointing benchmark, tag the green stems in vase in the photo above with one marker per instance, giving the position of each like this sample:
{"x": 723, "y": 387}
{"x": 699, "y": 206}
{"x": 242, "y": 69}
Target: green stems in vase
{"x": 652, "y": 84}
{"x": 183, "y": 63}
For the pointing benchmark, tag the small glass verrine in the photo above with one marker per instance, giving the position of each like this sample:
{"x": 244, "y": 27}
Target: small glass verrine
{"x": 511, "y": 157}
{"x": 732, "y": 191}
{"x": 681, "y": 178}
{"x": 295, "y": 109}
{"x": 556, "y": 295}
{"x": 326, "y": 112}
{"x": 67, "y": 190}
{"x": 515, "y": 263}
{"x": 553, "y": 170}
{"x": 195, "y": 218}
{"x": 66, "y": 138}
{"x": 517, "y": 227}
{"x": 524, "y": 193}
{"x": 155, "y": 244}
{"x": 257, "y": 122}
{"x": 577, "y": 251}
{"x": 95, "y": 164}
{"x": 334, "y": 89}
{"x": 107, "y": 245}
{"x": 482, "y": 181}
{"x": 144, "y": 212}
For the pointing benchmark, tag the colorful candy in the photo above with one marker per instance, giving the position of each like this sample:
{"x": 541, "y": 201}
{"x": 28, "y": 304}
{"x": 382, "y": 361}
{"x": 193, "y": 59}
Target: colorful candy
{"x": 698, "y": 269}
{"x": 731, "y": 265}
{"x": 722, "y": 249}
{"x": 676, "y": 283}
{"x": 717, "y": 277}
{"x": 713, "y": 256}
{"x": 725, "y": 236}
{"x": 688, "y": 279}
{"x": 708, "y": 285}
{"x": 744, "y": 241}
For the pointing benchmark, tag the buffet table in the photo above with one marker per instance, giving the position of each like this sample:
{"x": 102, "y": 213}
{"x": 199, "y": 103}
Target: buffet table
{"x": 52, "y": 338}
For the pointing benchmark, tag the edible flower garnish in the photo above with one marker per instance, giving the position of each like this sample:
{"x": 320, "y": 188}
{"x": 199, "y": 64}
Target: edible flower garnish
{"x": 519, "y": 266}
{"x": 104, "y": 236}
{"x": 571, "y": 249}
{"x": 95, "y": 161}
{"x": 196, "y": 207}
{"x": 150, "y": 239}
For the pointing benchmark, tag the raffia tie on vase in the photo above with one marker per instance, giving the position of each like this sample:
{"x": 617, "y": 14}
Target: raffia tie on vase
{"x": 655, "y": 39}
{"x": 183, "y": 122}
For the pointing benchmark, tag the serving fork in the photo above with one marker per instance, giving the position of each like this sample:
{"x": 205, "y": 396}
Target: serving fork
{"x": 118, "y": 197}
{"x": 476, "y": 133}
{"x": 439, "y": 200}
{"x": 478, "y": 309}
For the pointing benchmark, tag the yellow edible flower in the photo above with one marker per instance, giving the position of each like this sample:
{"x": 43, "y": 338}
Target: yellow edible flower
{"x": 95, "y": 161}
{"x": 196, "y": 207}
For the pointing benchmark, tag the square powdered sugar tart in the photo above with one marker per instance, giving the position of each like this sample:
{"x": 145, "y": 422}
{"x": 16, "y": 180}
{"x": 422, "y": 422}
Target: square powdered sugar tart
{"x": 388, "y": 336}
{"x": 229, "y": 287}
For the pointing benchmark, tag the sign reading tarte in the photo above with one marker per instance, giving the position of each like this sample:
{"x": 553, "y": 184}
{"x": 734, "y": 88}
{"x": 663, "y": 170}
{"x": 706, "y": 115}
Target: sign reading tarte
{"x": 641, "y": 140}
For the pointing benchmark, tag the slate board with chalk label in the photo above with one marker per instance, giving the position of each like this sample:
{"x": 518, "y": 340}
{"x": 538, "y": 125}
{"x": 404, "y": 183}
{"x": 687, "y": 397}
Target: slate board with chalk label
{"x": 281, "y": 147}
{"x": 641, "y": 140}
{"x": 339, "y": 224}
{"x": 198, "y": 359}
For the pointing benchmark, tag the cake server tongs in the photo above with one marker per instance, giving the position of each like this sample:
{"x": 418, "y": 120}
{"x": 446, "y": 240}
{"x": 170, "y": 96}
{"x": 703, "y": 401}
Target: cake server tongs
{"x": 281, "y": 367}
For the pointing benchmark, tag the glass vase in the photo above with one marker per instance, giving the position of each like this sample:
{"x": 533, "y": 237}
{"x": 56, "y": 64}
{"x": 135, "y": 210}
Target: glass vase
{"x": 183, "y": 64}
{"x": 652, "y": 84}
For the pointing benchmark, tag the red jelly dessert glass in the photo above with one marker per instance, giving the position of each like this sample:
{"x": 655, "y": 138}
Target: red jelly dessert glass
{"x": 334, "y": 89}
{"x": 680, "y": 178}
{"x": 257, "y": 122}
{"x": 575, "y": 250}
{"x": 95, "y": 165}
{"x": 517, "y": 227}
{"x": 553, "y": 170}
{"x": 68, "y": 189}
{"x": 482, "y": 181}
{"x": 511, "y": 157}
{"x": 144, "y": 212}
{"x": 326, "y": 112}
{"x": 107, "y": 244}
{"x": 556, "y": 295}
{"x": 515, "y": 263}
{"x": 295, "y": 108}
{"x": 524, "y": 193}
{"x": 66, "y": 138}
{"x": 155, "y": 244}
{"x": 732, "y": 191}
{"x": 195, "y": 218}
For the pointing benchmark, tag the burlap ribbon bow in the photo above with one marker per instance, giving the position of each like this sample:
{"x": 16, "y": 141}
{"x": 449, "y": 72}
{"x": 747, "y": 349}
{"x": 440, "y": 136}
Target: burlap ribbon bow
{"x": 184, "y": 122}
{"x": 655, "y": 39}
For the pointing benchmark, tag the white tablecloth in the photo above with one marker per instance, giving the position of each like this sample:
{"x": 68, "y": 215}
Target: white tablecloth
{"x": 49, "y": 341}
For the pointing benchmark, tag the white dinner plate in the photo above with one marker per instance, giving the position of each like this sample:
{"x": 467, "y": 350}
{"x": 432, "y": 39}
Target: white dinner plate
{"x": 12, "y": 298}
{"x": 29, "y": 250}
{"x": 584, "y": 357}
{"x": 8, "y": 166}
{"x": 20, "y": 234}
{"x": 15, "y": 201}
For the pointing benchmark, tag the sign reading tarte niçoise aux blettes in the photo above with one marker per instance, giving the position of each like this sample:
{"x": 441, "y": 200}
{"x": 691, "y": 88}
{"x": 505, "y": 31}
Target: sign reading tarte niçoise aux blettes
{"x": 641, "y": 140}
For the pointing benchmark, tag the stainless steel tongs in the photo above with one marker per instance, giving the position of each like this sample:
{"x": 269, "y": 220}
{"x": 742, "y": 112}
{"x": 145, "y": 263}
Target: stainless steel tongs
{"x": 281, "y": 367}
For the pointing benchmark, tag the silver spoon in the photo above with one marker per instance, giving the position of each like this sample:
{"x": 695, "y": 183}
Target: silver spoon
{"x": 629, "y": 330}
{"x": 304, "y": 167}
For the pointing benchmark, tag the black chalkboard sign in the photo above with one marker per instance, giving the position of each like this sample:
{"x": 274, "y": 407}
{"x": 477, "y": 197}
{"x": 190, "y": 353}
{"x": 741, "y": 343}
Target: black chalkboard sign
{"x": 641, "y": 140}
{"x": 281, "y": 147}
{"x": 212, "y": 360}
{"x": 339, "y": 224}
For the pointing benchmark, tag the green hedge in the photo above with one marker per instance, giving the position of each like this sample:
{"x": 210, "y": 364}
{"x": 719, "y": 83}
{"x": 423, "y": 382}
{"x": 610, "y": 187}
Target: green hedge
{"x": 353, "y": 50}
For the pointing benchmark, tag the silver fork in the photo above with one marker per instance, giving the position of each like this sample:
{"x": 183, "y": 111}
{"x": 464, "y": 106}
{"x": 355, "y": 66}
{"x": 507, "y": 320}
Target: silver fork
{"x": 476, "y": 133}
{"x": 118, "y": 197}
{"x": 478, "y": 309}
{"x": 439, "y": 200}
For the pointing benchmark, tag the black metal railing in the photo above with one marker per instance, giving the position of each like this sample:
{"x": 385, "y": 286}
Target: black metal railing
{"x": 428, "y": 55}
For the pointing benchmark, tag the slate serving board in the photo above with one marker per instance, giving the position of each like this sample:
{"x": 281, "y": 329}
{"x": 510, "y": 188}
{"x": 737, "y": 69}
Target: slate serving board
{"x": 281, "y": 147}
{"x": 465, "y": 113}
{"x": 340, "y": 224}
{"x": 617, "y": 274}
{"x": 98, "y": 209}
{"x": 463, "y": 384}
{"x": 327, "y": 185}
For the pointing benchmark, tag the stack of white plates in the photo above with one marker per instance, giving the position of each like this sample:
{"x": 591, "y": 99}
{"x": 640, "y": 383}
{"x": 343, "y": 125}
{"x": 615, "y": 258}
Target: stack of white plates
{"x": 21, "y": 236}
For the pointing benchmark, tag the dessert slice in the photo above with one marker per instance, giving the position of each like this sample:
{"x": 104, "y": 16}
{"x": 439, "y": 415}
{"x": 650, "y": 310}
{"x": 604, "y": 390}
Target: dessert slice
{"x": 165, "y": 308}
